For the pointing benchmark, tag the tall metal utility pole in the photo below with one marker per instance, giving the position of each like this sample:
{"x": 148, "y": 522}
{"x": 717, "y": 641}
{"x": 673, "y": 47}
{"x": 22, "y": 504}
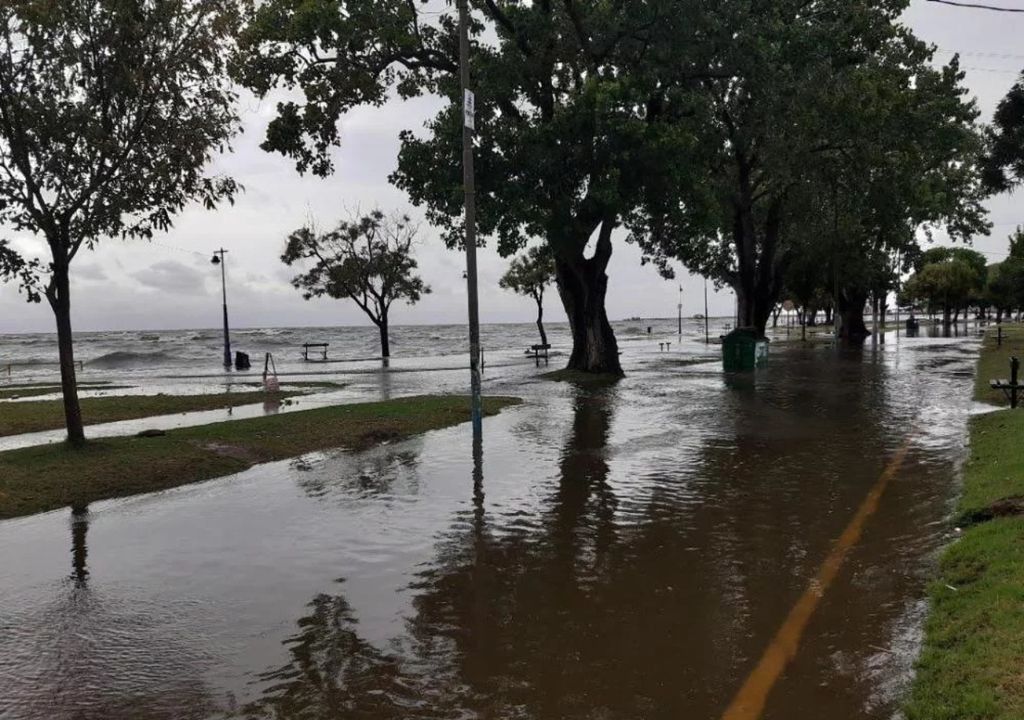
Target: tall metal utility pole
{"x": 707, "y": 332}
{"x": 469, "y": 183}
{"x": 218, "y": 259}
{"x": 680, "y": 309}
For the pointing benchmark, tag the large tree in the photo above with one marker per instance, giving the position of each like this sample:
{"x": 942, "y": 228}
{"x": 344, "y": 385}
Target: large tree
{"x": 1004, "y": 163}
{"x": 571, "y": 118}
{"x": 109, "y": 112}
{"x": 823, "y": 104}
{"x": 367, "y": 259}
{"x": 529, "y": 275}
{"x": 947, "y": 284}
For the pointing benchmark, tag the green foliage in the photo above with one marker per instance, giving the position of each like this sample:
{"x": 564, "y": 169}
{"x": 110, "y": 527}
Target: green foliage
{"x": 109, "y": 111}
{"x": 530, "y": 273}
{"x": 13, "y": 266}
{"x": 866, "y": 142}
{"x": 1004, "y": 163}
{"x": 367, "y": 259}
{"x": 575, "y": 129}
{"x": 943, "y": 284}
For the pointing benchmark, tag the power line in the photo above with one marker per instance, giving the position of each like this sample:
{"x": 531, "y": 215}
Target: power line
{"x": 972, "y": 53}
{"x": 975, "y": 6}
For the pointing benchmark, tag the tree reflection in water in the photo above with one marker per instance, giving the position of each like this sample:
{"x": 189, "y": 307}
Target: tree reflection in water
{"x": 333, "y": 672}
{"x": 509, "y": 615}
{"x": 507, "y": 622}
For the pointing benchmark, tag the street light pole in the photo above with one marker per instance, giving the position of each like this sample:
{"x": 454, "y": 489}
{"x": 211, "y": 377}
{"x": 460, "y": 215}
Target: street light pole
{"x": 680, "y": 309}
{"x": 707, "y": 332}
{"x": 218, "y": 259}
{"x": 468, "y": 131}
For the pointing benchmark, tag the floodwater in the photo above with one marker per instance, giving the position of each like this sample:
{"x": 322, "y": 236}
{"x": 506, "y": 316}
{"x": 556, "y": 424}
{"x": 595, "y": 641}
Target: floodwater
{"x": 623, "y": 551}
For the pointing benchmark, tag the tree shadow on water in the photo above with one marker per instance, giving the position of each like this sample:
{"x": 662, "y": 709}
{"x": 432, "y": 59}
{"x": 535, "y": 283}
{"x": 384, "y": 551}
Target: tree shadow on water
{"x": 333, "y": 672}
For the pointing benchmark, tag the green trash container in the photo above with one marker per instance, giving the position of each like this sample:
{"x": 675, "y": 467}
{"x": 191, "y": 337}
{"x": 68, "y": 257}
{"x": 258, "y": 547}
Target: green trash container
{"x": 744, "y": 351}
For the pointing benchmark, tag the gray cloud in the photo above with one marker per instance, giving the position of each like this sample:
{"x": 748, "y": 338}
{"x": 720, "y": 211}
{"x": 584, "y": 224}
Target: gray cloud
{"x": 172, "y": 277}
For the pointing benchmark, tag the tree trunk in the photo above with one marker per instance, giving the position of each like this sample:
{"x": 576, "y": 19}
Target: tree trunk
{"x": 540, "y": 321}
{"x": 851, "y": 308}
{"x": 947, "y": 312}
{"x": 757, "y": 281}
{"x": 59, "y": 296}
{"x": 385, "y": 341}
{"x": 583, "y": 285}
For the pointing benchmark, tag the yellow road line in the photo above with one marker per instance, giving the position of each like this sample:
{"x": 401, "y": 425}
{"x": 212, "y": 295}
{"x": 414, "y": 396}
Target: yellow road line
{"x": 750, "y": 700}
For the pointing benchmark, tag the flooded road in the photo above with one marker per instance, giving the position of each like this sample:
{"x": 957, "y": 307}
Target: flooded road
{"x": 625, "y": 551}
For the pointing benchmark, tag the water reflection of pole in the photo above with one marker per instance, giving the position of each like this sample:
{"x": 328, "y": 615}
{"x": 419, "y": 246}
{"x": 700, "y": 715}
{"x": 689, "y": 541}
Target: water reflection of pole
{"x": 478, "y": 484}
{"x": 468, "y": 124}
{"x": 79, "y": 551}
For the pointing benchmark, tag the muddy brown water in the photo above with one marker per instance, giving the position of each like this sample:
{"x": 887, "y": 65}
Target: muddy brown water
{"x": 610, "y": 552}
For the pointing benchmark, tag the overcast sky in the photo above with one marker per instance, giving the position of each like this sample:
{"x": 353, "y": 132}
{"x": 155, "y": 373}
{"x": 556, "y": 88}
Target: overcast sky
{"x": 170, "y": 283}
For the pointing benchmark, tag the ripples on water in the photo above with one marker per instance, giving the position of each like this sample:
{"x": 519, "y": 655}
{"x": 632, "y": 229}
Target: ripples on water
{"x": 616, "y": 552}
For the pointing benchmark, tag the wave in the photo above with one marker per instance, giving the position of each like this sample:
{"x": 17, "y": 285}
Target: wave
{"x": 125, "y": 359}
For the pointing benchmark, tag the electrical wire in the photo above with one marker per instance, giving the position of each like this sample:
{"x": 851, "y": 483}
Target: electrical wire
{"x": 977, "y": 6}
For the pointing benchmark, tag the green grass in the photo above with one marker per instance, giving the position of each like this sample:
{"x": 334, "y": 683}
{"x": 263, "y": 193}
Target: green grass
{"x": 972, "y": 663}
{"x": 52, "y": 476}
{"x": 35, "y": 416}
{"x": 995, "y": 468}
{"x": 994, "y": 363}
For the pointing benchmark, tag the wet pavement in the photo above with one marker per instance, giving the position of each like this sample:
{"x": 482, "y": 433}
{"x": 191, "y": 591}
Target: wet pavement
{"x": 610, "y": 552}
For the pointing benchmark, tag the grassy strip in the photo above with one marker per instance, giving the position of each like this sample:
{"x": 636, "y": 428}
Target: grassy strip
{"x": 35, "y": 416}
{"x": 971, "y": 664}
{"x": 51, "y": 476}
{"x": 994, "y": 362}
{"x": 8, "y": 393}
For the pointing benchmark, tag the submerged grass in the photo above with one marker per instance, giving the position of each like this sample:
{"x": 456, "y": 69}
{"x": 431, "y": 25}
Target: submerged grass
{"x": 972, "y": 663}
{"x": 35, "y": 416}
{"x": 24, "y": 390}
{"x": 580, "y": 378}
{"x": 52, "y": 476}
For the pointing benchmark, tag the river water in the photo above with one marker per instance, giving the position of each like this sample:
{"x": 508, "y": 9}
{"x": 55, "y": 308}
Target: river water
{"x": 623, "y": 551}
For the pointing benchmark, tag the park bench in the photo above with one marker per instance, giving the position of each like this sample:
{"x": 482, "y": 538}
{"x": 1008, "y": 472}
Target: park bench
{"x": 537, "y": 352}
{"x": 1011, "y": 388}
{"x": 319, "y": 347}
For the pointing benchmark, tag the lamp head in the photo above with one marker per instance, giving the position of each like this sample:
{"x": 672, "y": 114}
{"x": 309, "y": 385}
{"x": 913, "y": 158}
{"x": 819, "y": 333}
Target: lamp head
{"x": 216, "y": 259}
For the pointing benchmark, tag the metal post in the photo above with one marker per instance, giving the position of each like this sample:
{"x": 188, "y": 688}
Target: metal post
{"x": 468, "y": 123}
{"x": 707, "y": 333}
{"x": 218, "y": 259}
{"x": 680, "y": 310}
{"x": 1014, "y": 372}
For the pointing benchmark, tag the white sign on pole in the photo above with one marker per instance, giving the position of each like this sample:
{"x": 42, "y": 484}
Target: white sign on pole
{"x": 469, "y": 109}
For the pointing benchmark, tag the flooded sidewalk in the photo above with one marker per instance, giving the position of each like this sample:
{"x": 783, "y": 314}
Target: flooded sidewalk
{"x": 625, "y": 551}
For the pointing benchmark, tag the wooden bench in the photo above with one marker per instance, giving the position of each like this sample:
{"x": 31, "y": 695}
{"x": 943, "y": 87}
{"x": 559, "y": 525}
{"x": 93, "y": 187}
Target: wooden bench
{"x": 319, "y": 347}
{"x": 1011, "y": 388}
{"x": 537, "y": 352}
